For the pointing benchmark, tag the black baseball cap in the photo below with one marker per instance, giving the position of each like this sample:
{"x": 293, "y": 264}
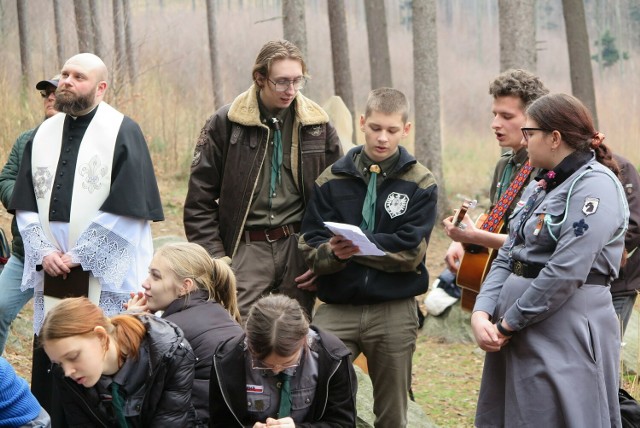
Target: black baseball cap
{"x": 44, "y": 83}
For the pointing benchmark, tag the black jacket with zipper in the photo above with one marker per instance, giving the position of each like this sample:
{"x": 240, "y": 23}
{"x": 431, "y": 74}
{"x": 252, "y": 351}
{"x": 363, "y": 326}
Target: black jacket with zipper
{"x": 335, "y": 397}
{"x": 165, "y": 398}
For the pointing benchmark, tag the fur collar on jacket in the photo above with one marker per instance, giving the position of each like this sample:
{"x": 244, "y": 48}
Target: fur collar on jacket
{"x": 245, "y": 111}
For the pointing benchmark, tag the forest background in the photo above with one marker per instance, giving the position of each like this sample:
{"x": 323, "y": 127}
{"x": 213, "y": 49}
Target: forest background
{"x": 161, "y": 65}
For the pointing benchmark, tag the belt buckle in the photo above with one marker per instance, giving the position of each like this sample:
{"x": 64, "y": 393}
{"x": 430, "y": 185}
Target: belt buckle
{"x": 285, "y": 230}
{"x": 266, "y": 235}
{"x": 518, "y": 268}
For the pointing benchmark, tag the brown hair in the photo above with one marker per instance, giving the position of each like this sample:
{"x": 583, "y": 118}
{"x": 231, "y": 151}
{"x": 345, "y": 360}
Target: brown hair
{"x": 567, "y": 115}
{"x": 276, "y": 50}
{"x": 387, "y": 101}
{"x": 518, "y": 83}
{"x": 276, "y": 324}
{"x": 190, "y": 260}
{"x": 78, "y": 317}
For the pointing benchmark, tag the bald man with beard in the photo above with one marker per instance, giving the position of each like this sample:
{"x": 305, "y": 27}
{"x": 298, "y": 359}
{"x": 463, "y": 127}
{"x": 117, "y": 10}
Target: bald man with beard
{"x": 84, "y": 199}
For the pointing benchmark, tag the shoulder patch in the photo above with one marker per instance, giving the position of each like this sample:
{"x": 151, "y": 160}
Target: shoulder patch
{"x": 314, "y": 131}
{"x": 396, "y": 204}
{"x": 579, "y": 227}
{"x": 197, "y": 155}
{"x": 590, "y": 206}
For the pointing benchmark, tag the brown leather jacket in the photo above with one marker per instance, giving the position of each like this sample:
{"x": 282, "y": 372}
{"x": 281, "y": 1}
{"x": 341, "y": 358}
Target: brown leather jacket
{"x": 227, "y": 160}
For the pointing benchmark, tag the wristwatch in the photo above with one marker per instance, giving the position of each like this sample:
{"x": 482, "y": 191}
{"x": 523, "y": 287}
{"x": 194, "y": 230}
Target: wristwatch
{"x": 503, "y": 331}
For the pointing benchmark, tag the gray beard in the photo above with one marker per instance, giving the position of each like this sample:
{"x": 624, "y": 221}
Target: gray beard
{"x": 74, "y": 104}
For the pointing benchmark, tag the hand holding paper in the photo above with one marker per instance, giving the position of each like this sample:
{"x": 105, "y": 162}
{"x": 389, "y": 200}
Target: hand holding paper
{"x": 355, "y": 235}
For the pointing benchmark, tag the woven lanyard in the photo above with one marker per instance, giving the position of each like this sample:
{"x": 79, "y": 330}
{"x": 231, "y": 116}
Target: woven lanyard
{"x": 500, "y": 209}
{"x": 369, "y": 206}
{"x": 285, "y": 395}
{"x": 524, "y": 214}
{"x": 118, "y": 405}
{"x": 276, "y": 158}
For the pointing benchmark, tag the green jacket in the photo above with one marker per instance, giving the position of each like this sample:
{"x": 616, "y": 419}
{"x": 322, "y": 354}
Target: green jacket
{"x": 7, "y": 181}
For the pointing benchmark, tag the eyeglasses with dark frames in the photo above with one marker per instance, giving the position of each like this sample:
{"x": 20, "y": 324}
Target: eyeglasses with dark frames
{"x": 526, "y": 131}
{"x": 282, "y": 85}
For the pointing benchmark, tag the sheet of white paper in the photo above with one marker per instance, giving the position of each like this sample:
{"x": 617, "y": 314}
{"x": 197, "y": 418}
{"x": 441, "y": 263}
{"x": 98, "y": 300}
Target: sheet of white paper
{"x": 355, "y": 235}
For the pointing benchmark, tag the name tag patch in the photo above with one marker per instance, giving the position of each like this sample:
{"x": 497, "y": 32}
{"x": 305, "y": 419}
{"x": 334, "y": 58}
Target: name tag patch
{"x": 255, "y": 389}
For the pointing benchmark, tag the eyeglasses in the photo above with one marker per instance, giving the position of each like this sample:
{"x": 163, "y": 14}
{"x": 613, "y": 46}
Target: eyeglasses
{"x": 44, "y": 93}
{"x": 283, "y": 84}
{"x": 526, "y": 131}
{"x": 261, "y": 365}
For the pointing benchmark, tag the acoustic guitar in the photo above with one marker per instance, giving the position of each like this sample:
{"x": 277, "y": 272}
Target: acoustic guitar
{"x": 474, "y": 267}
{"x": 476, "y": 261}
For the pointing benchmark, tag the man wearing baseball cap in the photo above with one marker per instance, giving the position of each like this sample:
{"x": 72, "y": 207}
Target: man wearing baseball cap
{"x": 11, "y": 298}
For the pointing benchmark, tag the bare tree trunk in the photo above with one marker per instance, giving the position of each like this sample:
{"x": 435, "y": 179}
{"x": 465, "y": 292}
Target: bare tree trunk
{"x": 216, "y": 78}
{"x": 379, "y": 57}
{"x": 119, "y": 45}
{"x": 428, "y": 143}
{"x": 25, "y": 44}
{"x": 579, "y": 56}
{"x": 83, "y": 26}
{"x": 97, "y": 28}
{"x": 59, "y": 26}
{"x": 517, "y": 22}
{"x": 340, "y": 53}
{"x": 294, "y": 25}
{"x": 132, "y": 61}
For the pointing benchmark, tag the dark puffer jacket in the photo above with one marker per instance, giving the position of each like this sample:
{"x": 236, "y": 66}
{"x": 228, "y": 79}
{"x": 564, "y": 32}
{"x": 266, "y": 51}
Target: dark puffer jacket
{"x": 206, "y": 324}
{"x": 165, "y": 398}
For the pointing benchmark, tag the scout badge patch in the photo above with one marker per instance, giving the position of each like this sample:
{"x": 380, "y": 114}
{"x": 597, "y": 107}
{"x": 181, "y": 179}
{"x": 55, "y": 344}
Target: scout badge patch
{"x": 590, "y": 206}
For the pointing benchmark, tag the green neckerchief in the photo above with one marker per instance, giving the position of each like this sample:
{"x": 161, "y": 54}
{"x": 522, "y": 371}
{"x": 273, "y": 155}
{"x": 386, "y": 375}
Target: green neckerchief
{"x": 285, "y": 395}
{"x": 374, "y": 170}
{"x": 118, "y": 405}
{"x": 274, "y": 122}
{"x": 504, "y": 181}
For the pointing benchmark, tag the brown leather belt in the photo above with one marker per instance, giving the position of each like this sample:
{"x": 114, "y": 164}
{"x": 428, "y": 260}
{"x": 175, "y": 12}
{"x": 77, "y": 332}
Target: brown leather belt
{"x": 527, "y": 270}
{"x": 272, "y": 235}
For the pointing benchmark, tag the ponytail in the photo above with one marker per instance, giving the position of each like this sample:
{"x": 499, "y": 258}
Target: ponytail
{"x": 214, "y": 276}
{"x": 223, "y": 288}
{"x": 604, "y": 155}
{"x": 129, "y": 332}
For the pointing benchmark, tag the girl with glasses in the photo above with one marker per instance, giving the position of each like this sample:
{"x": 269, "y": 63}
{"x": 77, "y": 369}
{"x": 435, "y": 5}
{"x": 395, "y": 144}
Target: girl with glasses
{"x": 544, "y": 314}
{"x": 282, "y": 372}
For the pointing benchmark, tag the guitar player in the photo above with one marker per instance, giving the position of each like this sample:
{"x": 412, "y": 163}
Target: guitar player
{"x": 512, "y": 92}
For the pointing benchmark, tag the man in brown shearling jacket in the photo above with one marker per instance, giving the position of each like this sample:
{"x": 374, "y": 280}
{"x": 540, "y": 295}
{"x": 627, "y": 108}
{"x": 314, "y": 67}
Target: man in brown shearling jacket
{"x": 252, "y": 173}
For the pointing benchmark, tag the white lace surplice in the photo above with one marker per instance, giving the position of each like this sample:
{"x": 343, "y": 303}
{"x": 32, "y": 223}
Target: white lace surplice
{"x": 116, "y": 249}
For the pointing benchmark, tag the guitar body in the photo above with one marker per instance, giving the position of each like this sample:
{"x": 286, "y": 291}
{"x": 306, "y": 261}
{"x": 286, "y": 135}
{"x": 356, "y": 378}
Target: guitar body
{"x": 476, "y": 261}
{"x": 474, "y": 267}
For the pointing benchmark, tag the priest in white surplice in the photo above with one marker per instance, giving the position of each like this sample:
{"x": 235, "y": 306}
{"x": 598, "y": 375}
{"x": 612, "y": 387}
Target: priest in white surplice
{"x": 85, "y": 196}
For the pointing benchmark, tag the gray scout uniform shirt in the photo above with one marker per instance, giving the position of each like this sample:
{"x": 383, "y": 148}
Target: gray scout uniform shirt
{"x": 560, "y": 368}
{"x": 560, "y": 234}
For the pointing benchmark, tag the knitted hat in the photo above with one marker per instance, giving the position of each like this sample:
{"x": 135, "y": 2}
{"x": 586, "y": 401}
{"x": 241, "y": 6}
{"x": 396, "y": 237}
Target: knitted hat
{"x": 17, "y": 405}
